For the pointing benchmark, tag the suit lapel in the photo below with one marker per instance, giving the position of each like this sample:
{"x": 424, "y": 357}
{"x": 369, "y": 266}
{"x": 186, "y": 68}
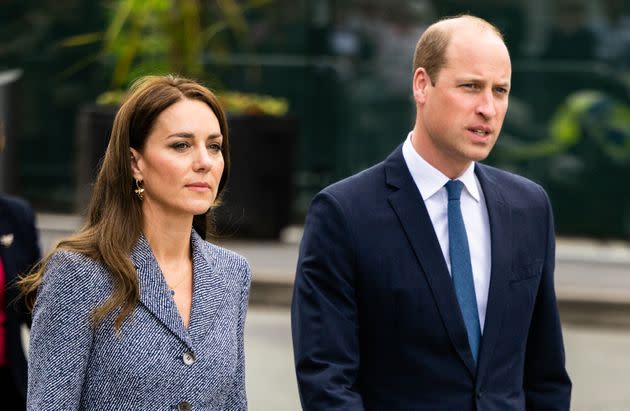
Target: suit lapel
{"x": 501, "y": 245}
{"x": 414, "y": 218}
{"x": 154, "y": 293}
{"x": 209, "y": 290}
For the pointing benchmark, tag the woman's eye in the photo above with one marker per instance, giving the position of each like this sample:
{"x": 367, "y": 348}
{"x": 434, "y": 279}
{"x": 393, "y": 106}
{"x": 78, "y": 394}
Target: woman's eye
{"x": 181, "y": 146}
{"x": 214, "y": 147}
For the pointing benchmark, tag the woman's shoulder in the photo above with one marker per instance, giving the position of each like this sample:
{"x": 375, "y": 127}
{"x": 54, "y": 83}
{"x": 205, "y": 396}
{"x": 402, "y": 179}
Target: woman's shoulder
{"x": 66, "y": 266}
{"x": 71, "y": 278}
{"x": 229, "y": 263}
{"x": 63, "y": 256}
{"x": 231, "y": 266}
{"x": 225, "y": 256}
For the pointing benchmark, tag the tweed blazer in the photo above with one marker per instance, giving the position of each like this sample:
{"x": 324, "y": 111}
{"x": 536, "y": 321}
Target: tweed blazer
{"x": 154, "y": 362}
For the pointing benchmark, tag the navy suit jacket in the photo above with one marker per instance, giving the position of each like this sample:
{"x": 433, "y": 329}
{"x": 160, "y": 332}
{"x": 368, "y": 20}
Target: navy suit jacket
{"x": 375, "y": 319}
{"x": 16, "y": 220}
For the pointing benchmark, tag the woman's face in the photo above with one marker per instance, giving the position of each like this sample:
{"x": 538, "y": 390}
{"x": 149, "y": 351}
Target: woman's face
{"x": 181, "y": 163}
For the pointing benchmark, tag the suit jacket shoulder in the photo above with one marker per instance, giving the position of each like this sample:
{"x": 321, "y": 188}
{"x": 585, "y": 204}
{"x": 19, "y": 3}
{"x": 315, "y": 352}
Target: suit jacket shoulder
{"x": 17, "y": 208}
{"x": 356, "y": 187}
{"x": 511, "y": 185}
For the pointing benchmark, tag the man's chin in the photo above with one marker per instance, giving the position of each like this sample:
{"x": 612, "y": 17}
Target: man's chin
{"x": 479, "y": 153}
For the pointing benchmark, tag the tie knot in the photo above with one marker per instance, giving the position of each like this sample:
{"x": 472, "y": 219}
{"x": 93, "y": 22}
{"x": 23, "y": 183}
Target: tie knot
{"x": 454, "y": 189}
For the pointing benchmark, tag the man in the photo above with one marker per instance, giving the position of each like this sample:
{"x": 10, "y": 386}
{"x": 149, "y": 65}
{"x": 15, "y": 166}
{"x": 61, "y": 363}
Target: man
{"x": 426, "y": 281}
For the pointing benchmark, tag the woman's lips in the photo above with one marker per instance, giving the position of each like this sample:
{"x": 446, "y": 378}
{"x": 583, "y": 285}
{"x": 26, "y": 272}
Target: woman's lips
{"x": 198, "y": 187}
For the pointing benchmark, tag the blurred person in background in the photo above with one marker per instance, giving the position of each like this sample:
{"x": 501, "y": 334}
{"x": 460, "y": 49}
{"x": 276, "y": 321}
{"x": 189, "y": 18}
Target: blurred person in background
{"x": 426, "y": 282}
{"x": 571, "y": 36}
{"x": 138, "y": 310}
{"x": 507, "y": 15}
{"x": 613, "y": 33}
{"x": 19, "y": 252}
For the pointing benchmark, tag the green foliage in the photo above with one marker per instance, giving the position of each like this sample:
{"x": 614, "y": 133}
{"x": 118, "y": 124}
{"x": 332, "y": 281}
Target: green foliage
{"x": 247, "y": 103}
{"x": 165, "y": 36}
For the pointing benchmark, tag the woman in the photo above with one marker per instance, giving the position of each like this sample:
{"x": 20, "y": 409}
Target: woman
{"x": 137, "y": 311}
{"x": 19, "y": 251}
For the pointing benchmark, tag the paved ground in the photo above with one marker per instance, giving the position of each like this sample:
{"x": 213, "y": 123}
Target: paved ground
{"x": 270, "y": 378}
{"x": 598, "y": 360}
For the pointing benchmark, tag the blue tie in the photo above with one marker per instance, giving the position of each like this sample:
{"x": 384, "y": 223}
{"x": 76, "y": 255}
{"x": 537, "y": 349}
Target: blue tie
{"x": 461, "y": 268}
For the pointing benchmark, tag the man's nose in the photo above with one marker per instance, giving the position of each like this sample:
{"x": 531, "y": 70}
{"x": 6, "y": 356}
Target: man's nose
{"x": 486, "y": 104}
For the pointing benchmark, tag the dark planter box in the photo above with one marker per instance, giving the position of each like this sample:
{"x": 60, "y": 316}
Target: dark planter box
{"x": 94, "y": 125}
{"x": 257, "y": 200}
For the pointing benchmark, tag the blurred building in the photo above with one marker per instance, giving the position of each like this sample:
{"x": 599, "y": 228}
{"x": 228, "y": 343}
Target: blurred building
{"x": 345, "y": 68}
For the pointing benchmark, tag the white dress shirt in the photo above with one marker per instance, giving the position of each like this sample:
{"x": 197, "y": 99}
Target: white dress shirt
{"x": 430, "y": 183}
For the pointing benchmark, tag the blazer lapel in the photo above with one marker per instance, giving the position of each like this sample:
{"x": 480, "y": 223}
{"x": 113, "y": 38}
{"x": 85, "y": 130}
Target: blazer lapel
{"x": 209, "y": 290}
{"x": 154, "y": 293}
{"x": 499, "y": 215}
{"x": 414, "y": 218}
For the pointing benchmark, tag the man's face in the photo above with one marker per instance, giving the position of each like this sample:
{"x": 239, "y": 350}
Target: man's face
{"x": 460, "y": 118}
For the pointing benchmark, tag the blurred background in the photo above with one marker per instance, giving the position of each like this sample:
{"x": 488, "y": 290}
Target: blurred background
{"x": 317, "y": 90}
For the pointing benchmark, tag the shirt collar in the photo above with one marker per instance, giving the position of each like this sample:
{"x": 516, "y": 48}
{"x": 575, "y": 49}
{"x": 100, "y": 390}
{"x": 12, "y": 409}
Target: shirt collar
{"x": 430, "y": 180}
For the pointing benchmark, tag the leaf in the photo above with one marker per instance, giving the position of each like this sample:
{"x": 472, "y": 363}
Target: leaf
{"x": 81, "y": 39}
{"x": 121, "y": 14}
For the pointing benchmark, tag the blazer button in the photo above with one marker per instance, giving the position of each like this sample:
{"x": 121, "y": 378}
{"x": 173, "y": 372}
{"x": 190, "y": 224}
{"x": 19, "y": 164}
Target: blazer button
{"x": 183, "y": 406}
{"x": 188, "y": 358}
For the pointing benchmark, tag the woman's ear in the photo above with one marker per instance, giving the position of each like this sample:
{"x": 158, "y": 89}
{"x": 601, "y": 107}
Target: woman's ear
{"x": 136, "y": 164}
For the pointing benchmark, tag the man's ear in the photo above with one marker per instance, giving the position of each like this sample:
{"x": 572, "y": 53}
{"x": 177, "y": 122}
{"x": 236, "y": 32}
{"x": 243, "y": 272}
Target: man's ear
{"x": 136, "y": 162}
{"x": 421, "y": 82}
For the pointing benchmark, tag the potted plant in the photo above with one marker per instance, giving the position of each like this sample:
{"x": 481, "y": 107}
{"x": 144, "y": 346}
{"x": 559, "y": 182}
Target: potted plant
{"x": 257, "y": 202}
{"x": 173, "y": 36}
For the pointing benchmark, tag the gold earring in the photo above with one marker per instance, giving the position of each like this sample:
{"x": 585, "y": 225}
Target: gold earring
{"x": 139, "y": 189}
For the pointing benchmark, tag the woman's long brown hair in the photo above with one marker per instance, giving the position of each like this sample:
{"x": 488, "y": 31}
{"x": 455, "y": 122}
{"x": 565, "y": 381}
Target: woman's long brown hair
{"x": 114, "y": 218}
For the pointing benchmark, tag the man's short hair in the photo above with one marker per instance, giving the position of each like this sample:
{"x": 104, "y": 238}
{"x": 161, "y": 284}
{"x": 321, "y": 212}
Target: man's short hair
{"x": 431, "y": 48}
